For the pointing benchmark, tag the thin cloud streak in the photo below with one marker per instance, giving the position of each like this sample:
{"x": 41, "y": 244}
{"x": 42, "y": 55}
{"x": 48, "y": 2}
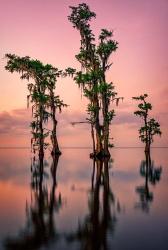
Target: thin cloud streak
{"x": 18, "y": 121}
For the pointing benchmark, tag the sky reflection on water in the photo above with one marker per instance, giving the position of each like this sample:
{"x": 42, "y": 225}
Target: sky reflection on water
{"x": 75, "y": 219}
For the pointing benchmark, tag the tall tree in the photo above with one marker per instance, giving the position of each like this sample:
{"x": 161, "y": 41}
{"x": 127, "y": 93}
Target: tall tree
{"x": 94, "y": 62}
{"x": 32, "y": 69}
{"x": 150, "y": 127}
{"x": 41, "y": 95}
{"x": 54, "y": 102}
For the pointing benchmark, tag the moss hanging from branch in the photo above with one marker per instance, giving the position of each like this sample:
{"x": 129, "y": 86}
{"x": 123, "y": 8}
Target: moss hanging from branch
{"x": 42, "y": 97}
{"x": 94, "y": 60}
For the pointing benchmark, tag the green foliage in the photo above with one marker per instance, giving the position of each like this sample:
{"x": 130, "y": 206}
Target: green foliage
{"x": 108, "y": 90}
{"x": 140, "y": 113}
{"x": 88, "y": 93}
{"x": 70, "y": 71}
{"x": 41, "y": 93}
{"x": 59, "y": 104}
{"x": 144, "y": 107}
{"x": 151, "y": 127}
{"x": 88, "y": 78}
{"x": 94, "y": 61}
{"x": 105, "y": 49}
{"x": 110, "y": 115}
{"x": 81, "y": 15}
{"x": 141, "y": 97}
{"x": 92, "y": 109}
{"x": 147, "y": 132}
{"x": 105, "y": 34}
{"x": 111, "y": 145}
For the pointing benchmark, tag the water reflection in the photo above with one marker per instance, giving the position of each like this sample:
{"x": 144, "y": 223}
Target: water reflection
{"x": 152, "y": 175}
{"x": 92, "y": 232}
{"x": 40, "y": 226}
{"x": 89, "y": 217}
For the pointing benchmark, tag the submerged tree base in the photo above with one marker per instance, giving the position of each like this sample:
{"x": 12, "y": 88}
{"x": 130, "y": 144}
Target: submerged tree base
{"x": 100, "y": 155}
{"x": 56, "y": 152}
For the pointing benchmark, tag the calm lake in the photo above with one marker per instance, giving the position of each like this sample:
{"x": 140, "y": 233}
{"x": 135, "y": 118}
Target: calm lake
{"x": 123, "y": 212}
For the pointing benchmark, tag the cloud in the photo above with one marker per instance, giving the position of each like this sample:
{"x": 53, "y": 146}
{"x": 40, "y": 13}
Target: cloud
{"x": 14, "y": 122}
{"x": 125, "y": 117}
{"x": 164, "y": 93}
{"x": 14, "y": 126}
{"x": 67, "y": 117}
{"x": 17, "y": 121}
{"x": 65, "y": 120}
{"x": 162, "y": 117}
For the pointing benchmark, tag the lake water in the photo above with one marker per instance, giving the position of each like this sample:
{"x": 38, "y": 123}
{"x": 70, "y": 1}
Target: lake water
{"x": 74, "y": 213}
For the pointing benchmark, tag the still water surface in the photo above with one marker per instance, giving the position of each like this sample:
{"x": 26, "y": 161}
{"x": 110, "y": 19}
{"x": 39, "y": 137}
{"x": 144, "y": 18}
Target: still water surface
{"x": 71, "y": 212}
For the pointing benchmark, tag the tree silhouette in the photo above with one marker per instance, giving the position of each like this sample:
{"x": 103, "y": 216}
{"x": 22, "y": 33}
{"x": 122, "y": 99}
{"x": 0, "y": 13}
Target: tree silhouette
{"x": 41, "y": 95}
{"x": 150, "y": 127}
{"x": 92, "y": 78}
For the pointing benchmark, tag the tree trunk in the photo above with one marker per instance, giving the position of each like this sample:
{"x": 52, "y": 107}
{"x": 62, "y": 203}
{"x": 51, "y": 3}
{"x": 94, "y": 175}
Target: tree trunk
{"x": 147, "y": 138}
{"x": 105, "y": 120}
{"x": 105, "y": 125}
{"x": 55, "y": 149}
{"x": 99, "y": 147}
{"x": 41, "y": 145}
{"x": 93, "y": 174}
{"x": 93, "y": 139}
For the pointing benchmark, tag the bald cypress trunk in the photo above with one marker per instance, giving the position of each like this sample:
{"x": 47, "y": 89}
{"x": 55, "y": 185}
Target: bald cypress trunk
{"x": 99, "y": 146}
{"x": 55, "y": 149}
{"x": 105, "y": 110}
{"x": 41, "y": 131}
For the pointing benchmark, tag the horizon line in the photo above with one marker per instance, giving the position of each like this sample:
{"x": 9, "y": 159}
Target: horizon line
{"x": 80, "y": 147}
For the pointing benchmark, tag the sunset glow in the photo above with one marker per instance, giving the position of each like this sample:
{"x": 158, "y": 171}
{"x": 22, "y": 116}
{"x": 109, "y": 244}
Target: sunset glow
{"x": 40, "y": 29}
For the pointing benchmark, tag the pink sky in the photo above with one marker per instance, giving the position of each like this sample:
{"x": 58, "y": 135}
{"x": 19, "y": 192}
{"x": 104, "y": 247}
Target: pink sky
{"x": 40, "y": 29}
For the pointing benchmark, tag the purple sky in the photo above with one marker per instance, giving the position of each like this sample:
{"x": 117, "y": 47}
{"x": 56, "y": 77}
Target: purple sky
{"x": 40, "y": 29}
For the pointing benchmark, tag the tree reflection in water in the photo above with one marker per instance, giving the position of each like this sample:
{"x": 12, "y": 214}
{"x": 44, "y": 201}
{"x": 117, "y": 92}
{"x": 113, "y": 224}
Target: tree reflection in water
{"x": 92, "y": 233}
{"x": 40, "y": 226}
{"x": 101, "y": 220}
{"x": 152, "y": 175}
